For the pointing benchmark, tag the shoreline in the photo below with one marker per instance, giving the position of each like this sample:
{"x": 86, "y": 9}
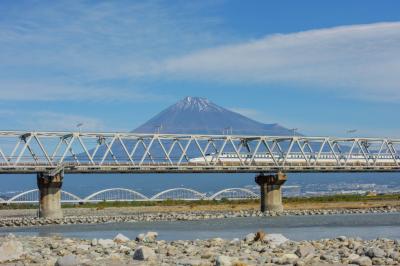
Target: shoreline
{"x": 111, "y": 212}
{"x": 252, "y": 249}
{"x": 116, "y": 217}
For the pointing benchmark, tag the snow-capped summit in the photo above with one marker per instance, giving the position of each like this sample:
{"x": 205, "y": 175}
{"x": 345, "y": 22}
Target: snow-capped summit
{"x": 196, "y": 115}
{"x": 196, "y": 103}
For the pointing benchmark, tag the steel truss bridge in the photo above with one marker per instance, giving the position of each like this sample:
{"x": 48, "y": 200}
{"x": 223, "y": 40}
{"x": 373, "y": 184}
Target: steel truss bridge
{"x": 96, "y": 152}
{"x": 127, "y": 195}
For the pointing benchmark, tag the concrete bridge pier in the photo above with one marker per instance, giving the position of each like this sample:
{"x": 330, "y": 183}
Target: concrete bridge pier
{"x": 50, "y": 195}
{"x": 271, "y": 193}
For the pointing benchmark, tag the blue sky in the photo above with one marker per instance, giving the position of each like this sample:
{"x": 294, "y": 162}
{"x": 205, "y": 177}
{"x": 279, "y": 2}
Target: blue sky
{"x": 323, "y": 67}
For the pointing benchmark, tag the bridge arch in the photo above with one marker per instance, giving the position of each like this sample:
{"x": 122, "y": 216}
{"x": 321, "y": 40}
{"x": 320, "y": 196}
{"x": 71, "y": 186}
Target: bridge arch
{"x": 234, "y": 193}
{"x": 179, "y": 194}
{"x": 69, "y": 197}
{"x": 32, "y": 196}
{"x": 115, "y": 194}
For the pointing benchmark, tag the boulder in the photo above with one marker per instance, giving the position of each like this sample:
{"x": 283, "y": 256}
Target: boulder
{"x": 395, "y": 255}
{"x": 249, "y": 238}
{"x": 363, "y": 261}
{"x": 260, "y": 235}
{"x": 305, "y": 250}
{"x": 69, "y": 260}
{"x": 120, "y": 238}
{"x": 94, "y": 242}
{"x": 375, "y": 252}
{"x": 275, "y": 239}
{"x": 148, "y": 237}
{"x": 82, "y": 247}
{"x": 353, "y": 257}
{"x": 289, "y": 258}
{"x": 224, "y": 261}
{"x": 144, "y": 253}
{"x": 10, "y": 250}
{"x": 106, "y": 243}
{"x": 140, "y": 237}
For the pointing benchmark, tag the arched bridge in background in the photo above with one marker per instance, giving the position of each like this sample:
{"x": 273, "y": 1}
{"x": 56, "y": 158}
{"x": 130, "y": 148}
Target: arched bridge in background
{"x": 127, "y": 195}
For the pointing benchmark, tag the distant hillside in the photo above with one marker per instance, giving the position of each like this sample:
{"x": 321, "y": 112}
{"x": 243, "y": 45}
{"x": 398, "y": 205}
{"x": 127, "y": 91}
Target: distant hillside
{"x": 195, "y": 115}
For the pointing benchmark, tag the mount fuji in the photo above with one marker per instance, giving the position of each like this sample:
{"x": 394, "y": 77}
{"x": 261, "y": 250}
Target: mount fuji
{"x": 195, "y": 115}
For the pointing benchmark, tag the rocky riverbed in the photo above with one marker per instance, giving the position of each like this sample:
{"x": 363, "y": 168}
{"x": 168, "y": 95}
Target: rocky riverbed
{"x": 253, "y": 249}
{"x": 114, "y": 217}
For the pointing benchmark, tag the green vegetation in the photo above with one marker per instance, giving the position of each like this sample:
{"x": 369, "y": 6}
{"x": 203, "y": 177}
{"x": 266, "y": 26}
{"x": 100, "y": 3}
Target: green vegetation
{"x": 342, "y": 198}
{"x": 224, "y": 201}
{"x": 168, "y": 202}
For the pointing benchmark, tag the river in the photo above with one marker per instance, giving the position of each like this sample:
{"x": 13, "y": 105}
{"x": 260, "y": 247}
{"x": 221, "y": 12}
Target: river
{"x": 366, "y": 226}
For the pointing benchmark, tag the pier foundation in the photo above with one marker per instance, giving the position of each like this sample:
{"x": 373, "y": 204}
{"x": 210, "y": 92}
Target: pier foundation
{"x": 50, "y": 195}
{"x": 271, "y": 193}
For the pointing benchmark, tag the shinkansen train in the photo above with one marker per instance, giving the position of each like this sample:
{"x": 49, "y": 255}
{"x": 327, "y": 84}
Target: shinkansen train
{"x": 323, "y": 158}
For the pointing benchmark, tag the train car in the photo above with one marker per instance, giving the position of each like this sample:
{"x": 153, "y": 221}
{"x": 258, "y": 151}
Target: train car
{"x": 295, "y": 158}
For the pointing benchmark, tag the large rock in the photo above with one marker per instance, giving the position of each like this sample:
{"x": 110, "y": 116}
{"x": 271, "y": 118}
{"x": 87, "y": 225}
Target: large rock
{"x": 249, "y": 238}
{"x": 275, "y": 239}
{"x": 148, "y": 237}
{"x": 140, "y": 237}
{"x": 106, "y": 243}
{"x": 289, "y": 258}
{"x": 305, "y": 250}
{"x": 375, "y": 253}
{"x": 394, "y": 255}
{"x": 69, "y": 260}
{"x": 94, "y": 242}
{"x": 260, "y": 235}
{"x": 353, "y": 257}
{"x": 144, "y": 253}
{"x": 120, "y": 238}
{"x": 363, "y": 261}
{"x": 10, "y": 250}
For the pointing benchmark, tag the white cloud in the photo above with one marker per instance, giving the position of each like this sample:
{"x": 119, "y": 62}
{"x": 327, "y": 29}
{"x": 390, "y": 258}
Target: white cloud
{"x": 249, "y": 112}
{"x": 64, "y": 50}
{"x": 100, "y": 37}
{"x": 353, "y": 61}
{"x": 51, "y": 91}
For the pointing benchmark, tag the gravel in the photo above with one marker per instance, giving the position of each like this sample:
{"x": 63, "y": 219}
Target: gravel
{"x": 57, "y": 250}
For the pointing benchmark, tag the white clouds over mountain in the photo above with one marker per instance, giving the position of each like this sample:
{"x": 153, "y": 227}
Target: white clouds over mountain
{"x": 353, "y": 61}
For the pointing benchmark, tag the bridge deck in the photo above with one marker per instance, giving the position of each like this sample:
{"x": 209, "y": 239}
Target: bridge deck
{"x": 26, "y": 168}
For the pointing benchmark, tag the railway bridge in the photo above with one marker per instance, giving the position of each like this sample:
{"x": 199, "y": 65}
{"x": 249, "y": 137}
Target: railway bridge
{"x": 52, "y": 154}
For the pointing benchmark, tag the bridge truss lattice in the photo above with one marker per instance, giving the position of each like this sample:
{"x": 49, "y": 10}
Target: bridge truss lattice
{"x": 76, "y": 152}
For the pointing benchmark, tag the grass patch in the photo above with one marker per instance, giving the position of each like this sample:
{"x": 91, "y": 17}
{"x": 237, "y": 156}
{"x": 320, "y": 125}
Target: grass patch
{"x": 232, "y": 203}
{"x": 342, "y": 198}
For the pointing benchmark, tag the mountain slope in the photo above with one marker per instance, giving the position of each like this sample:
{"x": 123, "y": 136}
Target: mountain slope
{"x": 194, "y": 115}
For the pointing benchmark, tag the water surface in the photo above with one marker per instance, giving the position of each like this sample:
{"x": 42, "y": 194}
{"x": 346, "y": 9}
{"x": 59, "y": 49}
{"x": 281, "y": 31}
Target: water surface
{"x": 366, "y": 226}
